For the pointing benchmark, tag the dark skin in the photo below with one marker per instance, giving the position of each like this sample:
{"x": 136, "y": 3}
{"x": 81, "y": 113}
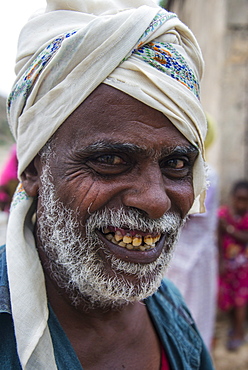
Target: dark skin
{"x": 115, "y": 151}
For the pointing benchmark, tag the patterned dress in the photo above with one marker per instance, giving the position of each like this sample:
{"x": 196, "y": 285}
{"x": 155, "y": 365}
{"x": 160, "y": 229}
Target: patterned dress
{"x": 233, "y": 281}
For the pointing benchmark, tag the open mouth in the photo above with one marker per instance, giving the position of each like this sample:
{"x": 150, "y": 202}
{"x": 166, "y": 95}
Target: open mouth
{"x": 131, "y": 239}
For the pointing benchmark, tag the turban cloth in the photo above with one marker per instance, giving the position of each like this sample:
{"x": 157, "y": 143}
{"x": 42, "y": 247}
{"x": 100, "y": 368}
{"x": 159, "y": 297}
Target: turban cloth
{"x": 64, "y": 53}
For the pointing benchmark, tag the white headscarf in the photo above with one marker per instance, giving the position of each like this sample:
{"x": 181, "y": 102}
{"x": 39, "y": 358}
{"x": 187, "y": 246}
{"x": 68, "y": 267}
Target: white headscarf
{"x": 64, "y": 53}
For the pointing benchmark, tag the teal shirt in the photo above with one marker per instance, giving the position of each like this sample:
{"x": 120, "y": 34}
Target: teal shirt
{"x": 182, "y": 343}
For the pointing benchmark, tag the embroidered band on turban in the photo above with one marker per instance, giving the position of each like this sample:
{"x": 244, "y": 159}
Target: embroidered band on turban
{"x": 64, "y": 53}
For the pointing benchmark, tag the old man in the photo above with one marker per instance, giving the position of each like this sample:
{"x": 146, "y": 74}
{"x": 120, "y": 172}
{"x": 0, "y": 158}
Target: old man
{"x": 109, "y": 129}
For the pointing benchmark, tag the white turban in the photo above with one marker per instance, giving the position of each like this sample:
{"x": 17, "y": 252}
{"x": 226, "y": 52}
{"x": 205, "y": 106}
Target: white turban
{"x": 64, "y": 53}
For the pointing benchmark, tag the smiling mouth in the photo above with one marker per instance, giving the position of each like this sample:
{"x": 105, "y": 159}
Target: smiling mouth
{"x": 131, "y": 239}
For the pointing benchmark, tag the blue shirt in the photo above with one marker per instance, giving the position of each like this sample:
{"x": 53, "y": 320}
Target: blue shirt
{"x": 182, "y": 343}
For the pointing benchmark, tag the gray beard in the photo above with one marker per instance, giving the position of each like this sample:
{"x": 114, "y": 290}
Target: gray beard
{"x": 74, "y": 262}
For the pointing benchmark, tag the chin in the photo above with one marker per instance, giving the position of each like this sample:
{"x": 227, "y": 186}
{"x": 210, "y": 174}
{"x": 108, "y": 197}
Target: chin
{"x": 126, "y": 283}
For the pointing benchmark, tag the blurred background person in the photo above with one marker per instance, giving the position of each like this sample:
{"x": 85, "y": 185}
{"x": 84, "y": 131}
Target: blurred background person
{"x": 8, "y": 180}
{"x": 193, "y": 268}
{"x": 233, "y": 262}
{"x": 8, "y": 183}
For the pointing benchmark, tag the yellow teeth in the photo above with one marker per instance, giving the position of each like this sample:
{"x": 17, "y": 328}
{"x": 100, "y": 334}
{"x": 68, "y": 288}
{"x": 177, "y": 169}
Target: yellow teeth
{"x": 130, "y": 242}
{"x": 109, "y": 236}
{"x": 113, "y": 240}
{"x": 127, "y": 238}
{"x": 122, "y": 244}
{"x": 118, "y": 236}
{"x": 129, "y": 246}
{"x": 137, "y": 240}
{"x": 148, "y": 239}
{"x": 156, "y": 239}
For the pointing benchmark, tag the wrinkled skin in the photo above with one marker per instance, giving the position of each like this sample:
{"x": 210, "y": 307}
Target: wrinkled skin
{"x": 93, "y": 168}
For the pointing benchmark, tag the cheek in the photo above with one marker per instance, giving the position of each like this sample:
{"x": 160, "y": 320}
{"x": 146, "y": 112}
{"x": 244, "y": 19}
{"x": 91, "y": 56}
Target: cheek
{"x": 85, "y": 196}
{"x": 182, "y": 197}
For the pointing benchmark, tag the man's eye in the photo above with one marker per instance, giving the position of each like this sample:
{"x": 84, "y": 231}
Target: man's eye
{"x": 110, "y": 159}
{"x": 178, "y": 164}
{"x": 109, "y": 164}
{"x": 176, "y": 167}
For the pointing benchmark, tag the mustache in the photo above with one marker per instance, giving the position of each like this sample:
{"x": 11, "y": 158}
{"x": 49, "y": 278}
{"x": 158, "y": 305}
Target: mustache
{"x": 133, "y": 219}
{"x": 124, "y": 218}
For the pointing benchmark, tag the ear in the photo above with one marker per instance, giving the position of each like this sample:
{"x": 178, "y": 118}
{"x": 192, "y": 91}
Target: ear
{"x": 31, "y": 177}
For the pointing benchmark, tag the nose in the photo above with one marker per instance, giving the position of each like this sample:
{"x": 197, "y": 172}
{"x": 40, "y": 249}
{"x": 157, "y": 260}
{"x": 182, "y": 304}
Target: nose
{"x": 148, "y": 194}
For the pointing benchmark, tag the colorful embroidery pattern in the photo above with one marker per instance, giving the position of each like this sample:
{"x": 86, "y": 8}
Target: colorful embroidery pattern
{"x": 167, "y": 59}
{"x": 164, "y": 57}
{"x": 161, "y": 17}
{"x": 26, "y": 82}
{"x": 19, "y": 196}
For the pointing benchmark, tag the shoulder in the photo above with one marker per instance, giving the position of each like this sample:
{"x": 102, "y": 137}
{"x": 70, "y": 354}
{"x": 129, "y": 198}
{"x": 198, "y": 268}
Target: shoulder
{"x": 176, "y": 328}
{"x": 8, "y": 353}
{"x": 170, "y": 300}
{"x": 5, "y": 306}
{"x": 2, "y": 259}
{"x": 2, "y": 251}
{"x": 169, "y": 290}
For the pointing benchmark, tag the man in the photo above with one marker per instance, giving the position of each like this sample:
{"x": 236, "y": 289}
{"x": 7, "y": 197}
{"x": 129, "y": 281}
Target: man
{"x": 109, "y": 134}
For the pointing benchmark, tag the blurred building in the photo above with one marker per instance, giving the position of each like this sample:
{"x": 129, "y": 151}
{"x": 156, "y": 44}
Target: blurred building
{"x": 221, "y": 28}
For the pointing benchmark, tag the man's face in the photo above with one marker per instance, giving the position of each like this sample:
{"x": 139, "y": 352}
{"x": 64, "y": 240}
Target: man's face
{"x": 116, "y": 188}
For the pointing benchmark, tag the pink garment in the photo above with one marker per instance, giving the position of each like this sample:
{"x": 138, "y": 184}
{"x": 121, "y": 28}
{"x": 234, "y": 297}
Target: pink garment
{"x": 164, "y": 362}
{"x": 233, "y": 282}
{"x": 9, "y": 171}
{"x": 8, "y": 174}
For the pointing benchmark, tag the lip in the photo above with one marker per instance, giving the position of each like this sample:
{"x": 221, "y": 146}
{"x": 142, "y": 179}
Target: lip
{"x": 133, "y": 255}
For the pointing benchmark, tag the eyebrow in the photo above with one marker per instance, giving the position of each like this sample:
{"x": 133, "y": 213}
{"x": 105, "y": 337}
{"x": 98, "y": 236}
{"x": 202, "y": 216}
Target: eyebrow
{"x": 104, "y": 146}
{"x": 180, "y": 149}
